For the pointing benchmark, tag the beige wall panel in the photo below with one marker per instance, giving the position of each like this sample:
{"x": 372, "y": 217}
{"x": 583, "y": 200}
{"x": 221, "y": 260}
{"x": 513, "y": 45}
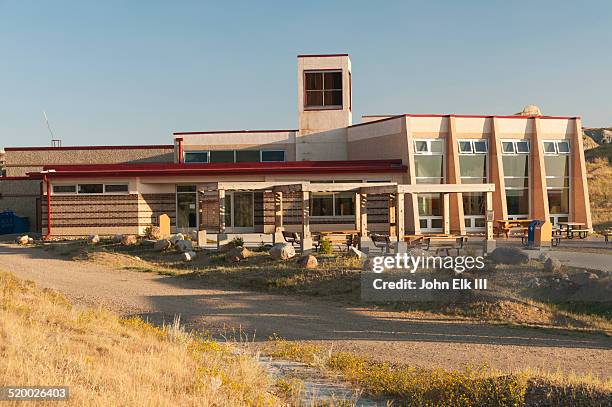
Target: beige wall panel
{"x": 428, "y": 125}
{"x": 472, "y": 125}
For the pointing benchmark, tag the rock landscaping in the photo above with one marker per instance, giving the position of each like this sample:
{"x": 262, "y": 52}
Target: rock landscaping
{"x": 509, "y": 255}
{"x": 282, "y": 251}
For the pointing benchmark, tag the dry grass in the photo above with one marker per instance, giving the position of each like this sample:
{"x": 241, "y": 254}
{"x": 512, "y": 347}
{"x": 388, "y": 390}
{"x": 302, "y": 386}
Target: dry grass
{"x": 110, "y": 361}
{"x": 480, "y": 386}
{"x": 599, "y": 176}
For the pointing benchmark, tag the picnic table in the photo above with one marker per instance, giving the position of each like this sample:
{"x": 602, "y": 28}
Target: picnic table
{"x": 572, "y": 228}
{"x": 505, "y": 226}
{"x": 444, "y": 243}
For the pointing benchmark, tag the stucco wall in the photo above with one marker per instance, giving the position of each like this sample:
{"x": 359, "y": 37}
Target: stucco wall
{"x": 20, "y": 196}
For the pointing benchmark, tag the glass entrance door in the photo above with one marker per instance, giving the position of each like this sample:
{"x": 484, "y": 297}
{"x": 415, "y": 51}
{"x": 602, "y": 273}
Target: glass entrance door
{"x": 239, "y": 212}
{"x": 430, "y": 212}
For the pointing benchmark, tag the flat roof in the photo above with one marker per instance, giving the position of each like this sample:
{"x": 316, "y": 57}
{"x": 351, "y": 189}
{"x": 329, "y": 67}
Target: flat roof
{"x": 321, "y": 55}
{"x": 186, "y": 133}
{"x": 473, "y": 116}
{"x": 217, "y": 169}
{"x": 69, "y": 148}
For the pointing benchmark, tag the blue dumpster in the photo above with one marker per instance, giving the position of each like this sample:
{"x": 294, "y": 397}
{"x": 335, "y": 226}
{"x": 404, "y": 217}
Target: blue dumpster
{"x": 531, "y": 232}
{"x": 11, "y": 223}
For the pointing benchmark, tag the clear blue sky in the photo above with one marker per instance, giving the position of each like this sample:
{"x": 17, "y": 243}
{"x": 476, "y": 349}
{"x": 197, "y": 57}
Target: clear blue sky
{"x": 132, "y": 72}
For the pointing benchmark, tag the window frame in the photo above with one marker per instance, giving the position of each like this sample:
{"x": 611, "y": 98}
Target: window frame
{"x": 261, "y": 152}
{"x": 207, "y": 152}
{"x": 333, "y": 196}
{"x": 104, "y": 192}
{"x": 515, "y": 152}
{"x": 323, "y": 90}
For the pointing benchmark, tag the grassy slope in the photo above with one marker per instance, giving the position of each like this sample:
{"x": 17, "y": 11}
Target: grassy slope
{"x": 599, "y": 176}
{"x": 107, "y": 360}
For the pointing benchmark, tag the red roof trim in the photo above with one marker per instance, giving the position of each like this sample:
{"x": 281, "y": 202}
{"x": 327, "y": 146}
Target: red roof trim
{"x": 321, "y": 55}
{"x": 71, "y": 148}
{"x": 14, "y": 178}
{"x": 460, "y": 115}
{"x": 217, "y": 169}
{"x": 186, "y": 133}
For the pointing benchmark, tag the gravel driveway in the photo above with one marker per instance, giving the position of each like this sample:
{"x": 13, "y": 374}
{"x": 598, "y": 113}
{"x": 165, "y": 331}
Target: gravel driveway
{"x": 383, "y": 335}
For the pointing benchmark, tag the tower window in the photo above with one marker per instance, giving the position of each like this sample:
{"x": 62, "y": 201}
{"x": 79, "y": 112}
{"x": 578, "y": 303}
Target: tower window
{"x": 323, "y": 89}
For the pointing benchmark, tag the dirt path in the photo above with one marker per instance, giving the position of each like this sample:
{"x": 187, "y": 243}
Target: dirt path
{"x": 382, "y": 335}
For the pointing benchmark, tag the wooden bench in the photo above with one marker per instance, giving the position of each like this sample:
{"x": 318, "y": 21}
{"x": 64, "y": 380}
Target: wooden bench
{"x": 292, "y": 237}
{"x": 607, "y": 235}
{"x": 444, "y": 243}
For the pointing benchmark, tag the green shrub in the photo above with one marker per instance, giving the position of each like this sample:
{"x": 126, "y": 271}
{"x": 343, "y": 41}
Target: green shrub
{"x": 238, "y": 242}
{"x": 325, "y": 247}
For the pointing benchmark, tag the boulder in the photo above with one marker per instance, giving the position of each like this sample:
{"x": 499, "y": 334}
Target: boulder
{"x": 129, "y": 240}
{"x": 148, "y": 242}
{"x": 552, "y": 265}
{"x": 237, "y": 254}
{"x": 509, "y": 255}
{"x": 176, "y": 238}
{"x": 543, "y": 257}
{"x": 188, "y": 256}
{"x": 184, "y": 246}
{"x": 308, "y": 262}
{"x": 23, "y": 240}
{"x": 154, "y": 233}
{"x": 583, "y": 278}
{"x": 356, "y": 253}
{"x": 282, "y": 251}
{"x": 161, "y": 245}
{"x": 30, "y": 240}
{"x": 93, "y": 239}
{"x": 117, "y": 238}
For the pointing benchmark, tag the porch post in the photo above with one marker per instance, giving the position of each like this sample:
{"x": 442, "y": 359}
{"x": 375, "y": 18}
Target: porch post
{"x": 446, "y": 213}
{"x": 489, "y": 242}
{"x": 306, "y": 238}
{"x": 402, "y": 246}
{"x": 365, "y": 243}
{"x": 392, "y": 220}
{"x": 278, "y": 217}
{"x": 221, "y": 236}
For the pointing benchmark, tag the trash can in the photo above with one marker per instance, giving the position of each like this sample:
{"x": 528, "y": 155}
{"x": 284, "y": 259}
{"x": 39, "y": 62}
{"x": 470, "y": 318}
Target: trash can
{"x": 531, "y": 232}
{"x": 543, "y": 234}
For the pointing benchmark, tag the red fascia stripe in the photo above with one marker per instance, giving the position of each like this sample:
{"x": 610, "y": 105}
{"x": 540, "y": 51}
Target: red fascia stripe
{"x": 14, "y": 178}
{"x": 294, "y": 167}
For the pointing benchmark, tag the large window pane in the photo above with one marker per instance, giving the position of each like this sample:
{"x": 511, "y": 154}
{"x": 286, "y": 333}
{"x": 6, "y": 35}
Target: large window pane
{"x": 196, "y": 156}
{"x": 322, "y": 204}
{"x": 186, "y": 216}
{"x": 473, "y": 203}
{"x": 516, "y": 165}
{"x": 473, "y": 165}
{"x": 115, "y": 188}
{"x": 247, "y": 156}
{"x": 558, "y": 200}
{"x": 516, "y": 182}
{"x": 273, "y": 155}
{"x": 345, "y": 203}
{"x": 518, "y": 201}
{"x": 557, "y": 165}
{"x": 557, "y": 182}
{"x": 223, "y": 156}
{"x": 64, "y": 189}
{"x": 429, "y": 205}
{"x": 91, "y": 188}
{"x": 243, "y": 209}
{"x": 430, "y": 166}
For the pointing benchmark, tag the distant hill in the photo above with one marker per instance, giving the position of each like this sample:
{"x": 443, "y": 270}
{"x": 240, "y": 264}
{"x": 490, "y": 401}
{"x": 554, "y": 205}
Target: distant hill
{"x": 602, "y": 135}
{"x": 603, "y": 151}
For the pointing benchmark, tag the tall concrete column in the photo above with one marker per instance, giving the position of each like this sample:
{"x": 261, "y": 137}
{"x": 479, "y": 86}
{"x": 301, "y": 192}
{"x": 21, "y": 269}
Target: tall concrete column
{"x": 453, "y": 176}
{"x": 496, "y": 172}
{"x": 580, "y": 205}
{"x": 539, "y": 195}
